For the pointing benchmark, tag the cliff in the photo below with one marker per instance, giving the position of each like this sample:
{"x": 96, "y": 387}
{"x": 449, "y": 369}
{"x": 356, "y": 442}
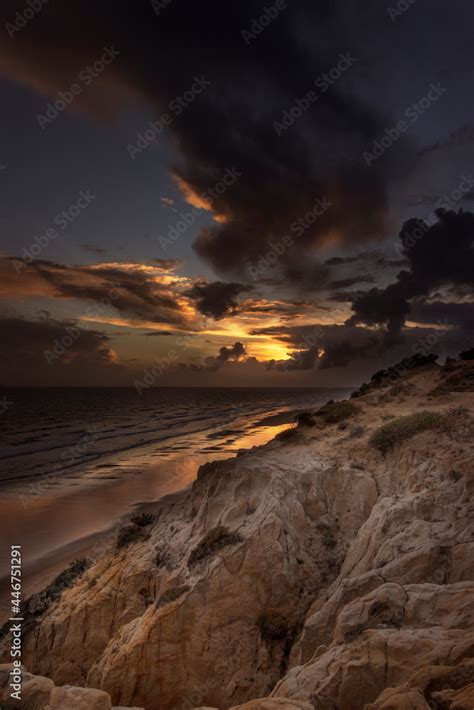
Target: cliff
{"x": 332, "y": 568}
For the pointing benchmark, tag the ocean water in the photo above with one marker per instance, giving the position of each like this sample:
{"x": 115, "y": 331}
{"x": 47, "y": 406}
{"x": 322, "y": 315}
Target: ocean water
{"x": 53, "y": 431}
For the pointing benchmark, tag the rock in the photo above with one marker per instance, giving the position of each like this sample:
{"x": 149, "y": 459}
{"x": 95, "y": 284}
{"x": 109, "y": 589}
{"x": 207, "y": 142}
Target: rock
{"x": 463, "y": 699}
{"x": 273, "y": 704}
{"x": 399, "y": 699}
{"x": 35, "y": 690}
{"x": 78, "y": 699}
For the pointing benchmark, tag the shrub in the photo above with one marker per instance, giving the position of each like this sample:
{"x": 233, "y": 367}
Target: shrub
{"x": 402, "y": 428}
{"x": 171, "y": 595}
{"x": 467, "y": 354}
{"x": 142, "y": 519}
{"x": 338, "y": 411}
{"x": 130, "y": 534}
{"x": 40, "y": 602}
{"x": 272, "y": 626}
{"x": 214, "y": 540}
{"x": 305, "y": 419}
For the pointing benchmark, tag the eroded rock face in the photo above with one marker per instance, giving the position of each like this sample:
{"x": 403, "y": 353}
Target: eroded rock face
{"x": 347, "y": 580}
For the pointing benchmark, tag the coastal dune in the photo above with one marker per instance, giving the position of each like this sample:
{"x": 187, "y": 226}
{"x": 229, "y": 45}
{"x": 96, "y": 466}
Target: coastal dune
{"x": 332, "y": 568}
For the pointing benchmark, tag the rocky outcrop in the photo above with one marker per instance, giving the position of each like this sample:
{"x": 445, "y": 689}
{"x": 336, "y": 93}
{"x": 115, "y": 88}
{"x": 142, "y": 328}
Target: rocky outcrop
{"x": 38, "y": 693}
{"x": 315, "y": 572}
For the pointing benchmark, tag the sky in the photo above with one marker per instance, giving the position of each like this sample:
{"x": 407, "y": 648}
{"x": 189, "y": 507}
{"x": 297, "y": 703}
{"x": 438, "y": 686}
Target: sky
{"x": 233, "y": 194}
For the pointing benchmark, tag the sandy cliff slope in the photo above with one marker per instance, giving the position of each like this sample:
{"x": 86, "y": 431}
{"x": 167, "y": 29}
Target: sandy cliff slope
{"x": 331, "y": 569}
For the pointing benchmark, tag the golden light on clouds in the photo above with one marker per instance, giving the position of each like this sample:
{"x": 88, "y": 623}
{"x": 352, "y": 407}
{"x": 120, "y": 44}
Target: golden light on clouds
{"x": 199, "y": 201}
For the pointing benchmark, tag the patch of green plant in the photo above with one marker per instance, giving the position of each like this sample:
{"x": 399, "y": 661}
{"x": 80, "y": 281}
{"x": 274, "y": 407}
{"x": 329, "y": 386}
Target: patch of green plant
{"x": 272, "y": 626}
{"x": 142, "y": 519}
{"x": 335, "y": 412}
{"x": 212, "y": 542}
{"x": 172, "y": 594}
{"x": 403, "y": 428}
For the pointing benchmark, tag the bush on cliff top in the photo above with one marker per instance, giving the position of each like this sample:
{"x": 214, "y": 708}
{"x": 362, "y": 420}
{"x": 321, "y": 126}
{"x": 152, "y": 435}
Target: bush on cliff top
{"x": 403, "y": 428}
{"x": 214, "y": 540}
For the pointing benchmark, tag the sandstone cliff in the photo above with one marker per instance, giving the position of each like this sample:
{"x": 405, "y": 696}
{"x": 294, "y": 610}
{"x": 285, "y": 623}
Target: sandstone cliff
{"x": 331, "y": 569}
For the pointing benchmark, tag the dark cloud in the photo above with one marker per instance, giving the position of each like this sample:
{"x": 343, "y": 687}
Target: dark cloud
{"x": 130, "y": 290}
{"x": 444, "y": 314}
{"x": 325, "y": 345}
{"x": 375, "y": 256}
{"x": 298, "y": 360}
{"x": 230, "y": 125}
{"x": 438, "y": 255}
{"x": 52, "y": 352}
{"x": 351, "y": 281}
{"x": 216, "y": 299}
{"x": 233, "y": 353}
{"x": 343, "y": 353}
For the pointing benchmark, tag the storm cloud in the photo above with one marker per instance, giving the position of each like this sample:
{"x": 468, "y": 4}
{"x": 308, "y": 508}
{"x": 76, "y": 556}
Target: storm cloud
{"x": 315, "y": 89}
{"x": 439, "y": 255}
{"x": 216, "y": 299}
